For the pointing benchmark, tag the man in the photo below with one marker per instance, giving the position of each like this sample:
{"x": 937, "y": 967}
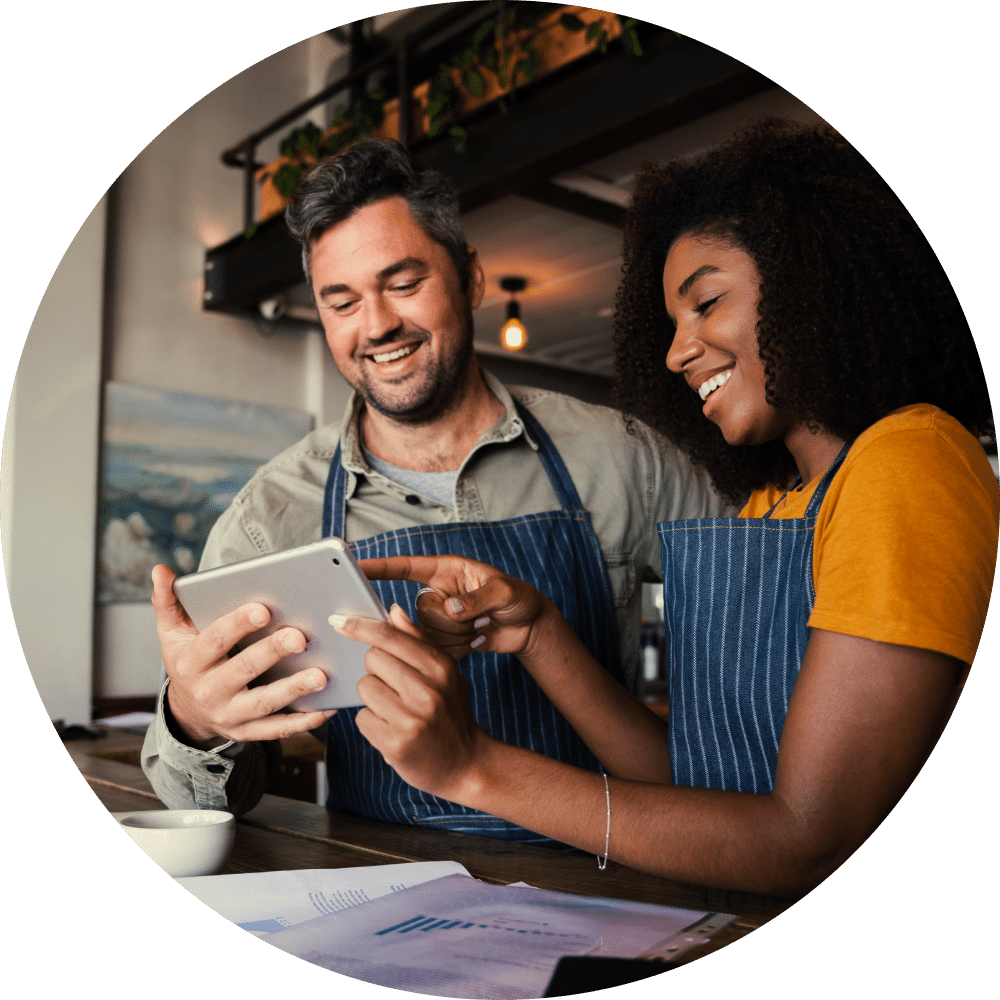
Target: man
{"x": 433, "y": 455}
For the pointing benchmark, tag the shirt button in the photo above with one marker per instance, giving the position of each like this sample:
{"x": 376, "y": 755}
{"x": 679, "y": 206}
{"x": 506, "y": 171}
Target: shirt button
{"x": 413, "y": 499}
{"x": 215, "y": 768}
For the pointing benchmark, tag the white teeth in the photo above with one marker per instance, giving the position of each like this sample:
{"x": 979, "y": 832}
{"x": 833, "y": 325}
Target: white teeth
{"x": 707, "y": 388}
{"x": 394, "y": 355}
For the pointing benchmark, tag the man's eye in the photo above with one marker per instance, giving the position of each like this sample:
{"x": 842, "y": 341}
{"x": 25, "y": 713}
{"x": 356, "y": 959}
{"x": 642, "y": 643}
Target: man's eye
{"x": 409, "y": 286}
{"x": 703, "y": 307}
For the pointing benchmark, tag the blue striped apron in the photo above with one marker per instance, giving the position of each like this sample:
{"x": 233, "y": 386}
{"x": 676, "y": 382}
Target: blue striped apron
{"x": 558, "y": 553}
{"x": 737, "y": 594}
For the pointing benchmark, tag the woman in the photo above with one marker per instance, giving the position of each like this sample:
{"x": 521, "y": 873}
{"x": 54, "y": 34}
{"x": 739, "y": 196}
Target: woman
{"x": 817, "y": 361}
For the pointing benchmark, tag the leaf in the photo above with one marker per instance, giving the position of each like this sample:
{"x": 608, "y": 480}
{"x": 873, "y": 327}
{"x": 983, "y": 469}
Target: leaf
{"x": 504, "y": 110}
{"x": 474, "y": 83}
{"x": 630, "y": 42}
{"x": 286, "y": 179}
{"x": 481, "y": 33}
{"x": 250, "y": 230}
{"x": 534, "y": 61}
{"x": 593, "y": 29}
{"x": 571, "y": 22}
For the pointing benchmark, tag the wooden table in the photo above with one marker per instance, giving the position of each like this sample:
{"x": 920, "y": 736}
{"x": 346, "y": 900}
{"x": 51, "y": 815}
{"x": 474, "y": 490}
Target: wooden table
{"x": 281, "y": 834}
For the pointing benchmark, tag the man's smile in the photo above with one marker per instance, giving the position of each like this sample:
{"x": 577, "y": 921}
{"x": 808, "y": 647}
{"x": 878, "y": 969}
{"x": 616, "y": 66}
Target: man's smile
{"x": 394, "y": 355}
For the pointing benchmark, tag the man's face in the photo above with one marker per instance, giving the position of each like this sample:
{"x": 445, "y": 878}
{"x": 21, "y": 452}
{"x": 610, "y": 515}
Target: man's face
{"x": 397, "y": 323}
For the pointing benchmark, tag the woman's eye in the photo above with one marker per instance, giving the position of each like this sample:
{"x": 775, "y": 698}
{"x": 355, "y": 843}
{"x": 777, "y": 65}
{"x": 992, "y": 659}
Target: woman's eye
{"x": 703, "y": 307}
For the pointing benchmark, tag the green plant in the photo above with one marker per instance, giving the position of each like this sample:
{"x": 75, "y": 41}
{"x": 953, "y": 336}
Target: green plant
{"x": 507, "y": 51}
{"x": 487, "y": 52}
{"x": 305, "y": 145}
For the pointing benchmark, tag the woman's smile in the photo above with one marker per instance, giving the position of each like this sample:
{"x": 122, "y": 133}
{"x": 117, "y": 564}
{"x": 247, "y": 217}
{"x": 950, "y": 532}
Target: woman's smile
{"x": 715, "y": 382}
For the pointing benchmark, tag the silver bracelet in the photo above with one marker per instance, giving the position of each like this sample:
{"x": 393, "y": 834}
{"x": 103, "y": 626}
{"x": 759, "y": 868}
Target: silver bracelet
{"x": 607, "y": 831}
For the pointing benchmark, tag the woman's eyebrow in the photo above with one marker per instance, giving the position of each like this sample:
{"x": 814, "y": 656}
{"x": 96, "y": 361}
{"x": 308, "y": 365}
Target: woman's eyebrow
{"x": 685, "y": 285}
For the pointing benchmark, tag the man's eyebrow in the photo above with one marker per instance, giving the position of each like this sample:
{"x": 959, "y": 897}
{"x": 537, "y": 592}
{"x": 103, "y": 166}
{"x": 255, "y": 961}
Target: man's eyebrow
{"x": 406, "y": 264}
{"x": 685, "y": 285}
{"x": 390, "y": 271}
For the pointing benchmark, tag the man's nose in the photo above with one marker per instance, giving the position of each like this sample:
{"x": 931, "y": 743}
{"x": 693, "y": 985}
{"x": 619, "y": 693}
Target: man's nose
{"x": 380, "y": 318}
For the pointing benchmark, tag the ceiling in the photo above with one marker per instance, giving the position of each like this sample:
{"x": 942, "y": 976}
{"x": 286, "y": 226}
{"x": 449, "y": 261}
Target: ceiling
{"x": 571, "y": 263}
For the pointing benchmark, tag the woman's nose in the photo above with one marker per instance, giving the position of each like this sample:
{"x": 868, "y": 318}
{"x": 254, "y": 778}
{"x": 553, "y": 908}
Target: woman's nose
{"x": 683, "y": 350}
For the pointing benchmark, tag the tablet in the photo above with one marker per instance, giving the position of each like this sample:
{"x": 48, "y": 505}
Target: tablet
{"x": 301, "y": 587}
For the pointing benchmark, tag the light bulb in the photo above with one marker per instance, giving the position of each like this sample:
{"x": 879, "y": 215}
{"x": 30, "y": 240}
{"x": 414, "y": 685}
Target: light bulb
{"x": 513, "y": 334}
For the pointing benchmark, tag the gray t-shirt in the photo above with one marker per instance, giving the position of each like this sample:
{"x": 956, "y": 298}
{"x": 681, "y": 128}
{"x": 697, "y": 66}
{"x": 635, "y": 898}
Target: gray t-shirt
{"x": 438, "y": 486}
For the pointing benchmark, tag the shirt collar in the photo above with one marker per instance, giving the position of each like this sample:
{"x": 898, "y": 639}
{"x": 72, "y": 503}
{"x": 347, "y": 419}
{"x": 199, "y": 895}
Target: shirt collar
{"x": 506, "y": 429}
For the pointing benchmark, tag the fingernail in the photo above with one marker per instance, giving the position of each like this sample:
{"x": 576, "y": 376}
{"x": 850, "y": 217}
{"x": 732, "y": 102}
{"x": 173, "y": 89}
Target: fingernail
{"x": 481, "y": 622}
{"x": 330, "y": 712}
{"x": 315, "y": 682}
{"x": 455, "y": 606}
{"x": 402, "y": 611}
{"x": 337, "y": 621}
{"x": 258, "y": 616}
{"x": 478, "y": 641}
{"x": 292, "y": 641}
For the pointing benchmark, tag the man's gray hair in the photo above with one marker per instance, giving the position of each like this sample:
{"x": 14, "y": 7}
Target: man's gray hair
{"x": 368, "y": 172}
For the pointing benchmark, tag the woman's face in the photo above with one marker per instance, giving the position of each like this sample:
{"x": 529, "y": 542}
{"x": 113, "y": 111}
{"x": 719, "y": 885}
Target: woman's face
{"x": 711, "y": 291}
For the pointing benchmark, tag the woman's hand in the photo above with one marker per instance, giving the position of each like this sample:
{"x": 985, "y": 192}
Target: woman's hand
{"x": 476, "y": 607}
{"x": 418, "y": 714}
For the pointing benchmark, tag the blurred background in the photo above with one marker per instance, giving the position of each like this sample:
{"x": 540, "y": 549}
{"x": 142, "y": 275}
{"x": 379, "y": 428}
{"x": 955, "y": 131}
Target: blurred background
{"x": 178, "y": 325}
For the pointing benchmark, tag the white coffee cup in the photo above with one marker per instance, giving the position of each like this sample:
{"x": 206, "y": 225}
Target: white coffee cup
{"x": 183, "y": 841}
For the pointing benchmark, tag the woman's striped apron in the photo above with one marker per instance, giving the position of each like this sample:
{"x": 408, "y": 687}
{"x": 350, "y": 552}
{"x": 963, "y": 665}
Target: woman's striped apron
{"x": 737, "y": 594}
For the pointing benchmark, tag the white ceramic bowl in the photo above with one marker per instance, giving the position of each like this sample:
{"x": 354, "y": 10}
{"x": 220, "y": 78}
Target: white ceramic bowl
{"x": 183, "y": 841}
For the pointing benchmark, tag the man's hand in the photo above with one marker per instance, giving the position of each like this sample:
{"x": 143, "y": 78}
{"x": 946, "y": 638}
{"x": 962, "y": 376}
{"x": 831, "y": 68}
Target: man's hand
{"x": 208, "y": 694}
{"x": 418, "y": 714}
{"x": 476, "y": 606}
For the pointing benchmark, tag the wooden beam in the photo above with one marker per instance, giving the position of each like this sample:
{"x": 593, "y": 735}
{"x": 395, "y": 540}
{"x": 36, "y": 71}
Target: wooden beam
{"x": 595, "y": 209}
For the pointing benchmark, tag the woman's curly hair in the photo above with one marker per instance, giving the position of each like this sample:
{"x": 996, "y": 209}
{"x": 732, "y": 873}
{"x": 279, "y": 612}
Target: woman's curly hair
{"x": 856, "y": 316}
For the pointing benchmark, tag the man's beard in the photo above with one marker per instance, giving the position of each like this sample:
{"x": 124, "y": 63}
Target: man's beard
{"x": 436, "y": 387}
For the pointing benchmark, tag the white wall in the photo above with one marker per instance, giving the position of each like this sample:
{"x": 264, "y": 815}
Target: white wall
{"x": 175, "y": 200}
{"x": 171, "y": 203}
{"x": 50, "y": 475}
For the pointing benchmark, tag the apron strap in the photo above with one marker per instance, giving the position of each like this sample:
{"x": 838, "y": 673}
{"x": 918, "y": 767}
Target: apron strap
{"x": 335, "y": 499}
{"x": 552, "y": 463}
{"x": 824, "y": 484}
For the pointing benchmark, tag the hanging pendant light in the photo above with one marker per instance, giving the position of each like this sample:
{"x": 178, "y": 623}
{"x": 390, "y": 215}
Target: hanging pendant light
{"x": 513, "y": 334}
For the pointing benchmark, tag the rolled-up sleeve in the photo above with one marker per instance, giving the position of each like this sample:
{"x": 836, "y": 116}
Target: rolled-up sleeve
{"x": 231, "y": 777}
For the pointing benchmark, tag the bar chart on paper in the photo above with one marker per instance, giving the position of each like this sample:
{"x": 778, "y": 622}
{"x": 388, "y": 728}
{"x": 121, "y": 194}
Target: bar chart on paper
{"x": 422, "y": 923}
{"x": 457, "y": 937}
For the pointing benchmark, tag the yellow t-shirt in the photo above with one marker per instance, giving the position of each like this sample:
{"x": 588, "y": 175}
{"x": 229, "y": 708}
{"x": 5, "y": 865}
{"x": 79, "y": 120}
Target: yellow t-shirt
{"x": 906, "y": 539}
